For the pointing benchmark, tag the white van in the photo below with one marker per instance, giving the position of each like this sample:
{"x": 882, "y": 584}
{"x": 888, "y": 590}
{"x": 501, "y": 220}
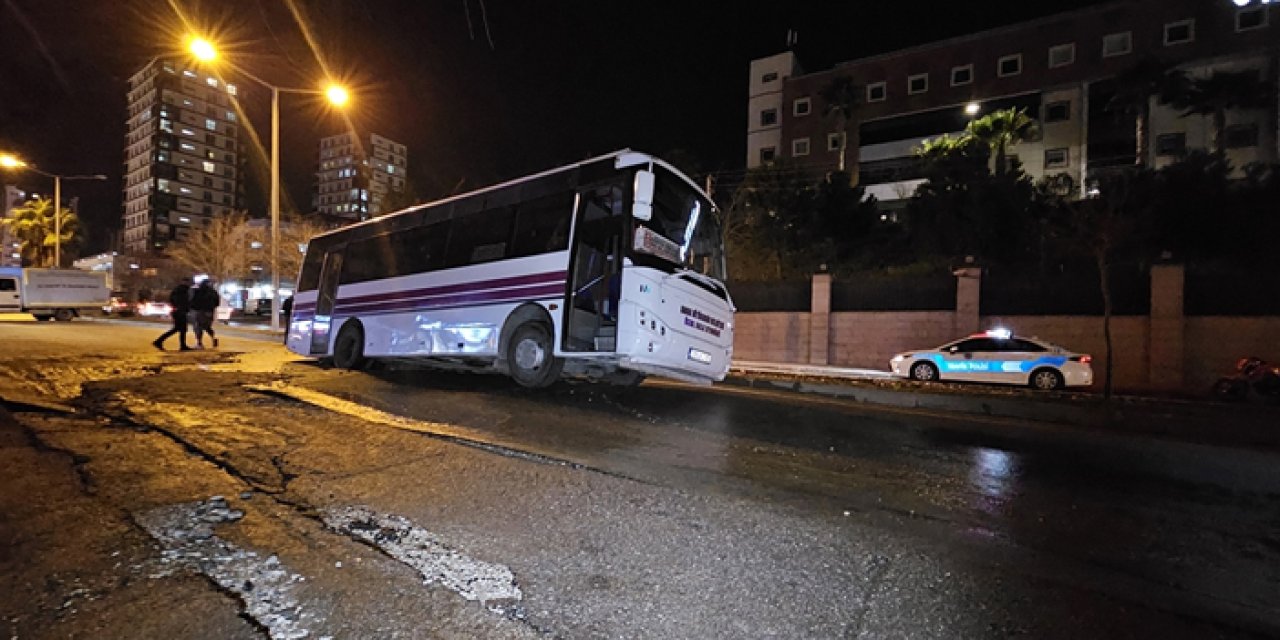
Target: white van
{"x": 60, "y": 294}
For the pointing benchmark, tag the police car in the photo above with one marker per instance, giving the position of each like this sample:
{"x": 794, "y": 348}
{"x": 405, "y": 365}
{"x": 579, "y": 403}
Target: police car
{"x": 1000, "y": 357}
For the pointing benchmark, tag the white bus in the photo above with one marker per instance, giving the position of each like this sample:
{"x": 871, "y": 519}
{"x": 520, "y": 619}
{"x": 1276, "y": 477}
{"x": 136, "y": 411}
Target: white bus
{"x": 609, "y": 269}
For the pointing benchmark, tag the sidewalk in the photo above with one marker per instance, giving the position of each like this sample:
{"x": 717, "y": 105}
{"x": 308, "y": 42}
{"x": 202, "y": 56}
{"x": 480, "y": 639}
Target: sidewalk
{"x": 1197, "y": 421}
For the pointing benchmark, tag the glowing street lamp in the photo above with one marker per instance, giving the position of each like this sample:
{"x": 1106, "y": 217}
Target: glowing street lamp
{"x": 10, "y": 161}
{"x": 338, "y": 96}
{"x": 203, "y": 50}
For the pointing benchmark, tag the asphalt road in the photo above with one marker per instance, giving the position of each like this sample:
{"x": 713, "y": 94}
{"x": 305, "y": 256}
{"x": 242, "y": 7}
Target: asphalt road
{"x": 406, "y": 503}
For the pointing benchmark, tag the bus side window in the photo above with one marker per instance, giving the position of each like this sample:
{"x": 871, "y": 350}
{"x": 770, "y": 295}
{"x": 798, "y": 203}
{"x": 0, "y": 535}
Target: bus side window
{"x": 478, "y": 238}
{"x": 420, "y": 249}
{"x": 542, "y": 225}
{"x": 309, "y": 278}
{"x": 363, "y": 262}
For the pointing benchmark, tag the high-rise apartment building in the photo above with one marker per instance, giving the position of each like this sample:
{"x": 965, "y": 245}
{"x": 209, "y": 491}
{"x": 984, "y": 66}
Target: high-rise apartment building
{"x": 182, "y": 158}
{"x": 356, "y": 174}
{"x": 9, "y": 245}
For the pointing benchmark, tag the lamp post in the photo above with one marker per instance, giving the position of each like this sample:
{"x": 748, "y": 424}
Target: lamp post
{"x": 205, "y": 51}
{"x": 9, "y": 161}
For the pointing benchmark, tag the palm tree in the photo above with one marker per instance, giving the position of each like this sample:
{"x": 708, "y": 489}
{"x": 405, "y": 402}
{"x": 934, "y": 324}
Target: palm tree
{"x": 1149, "y": 78}
{"x": 842, "y": 97}
{"x": 33, "y": 224}
{"x": 1221, "y": 91}
{"x": 999, "y": 130}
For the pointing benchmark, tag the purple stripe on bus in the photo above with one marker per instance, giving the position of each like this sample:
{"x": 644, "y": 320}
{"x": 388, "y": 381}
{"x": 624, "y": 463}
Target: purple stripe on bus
{"x": 550, "y": 277}
{"x": 515, "y": 281}
{"x": 434, "y": 300}
{"x": 514, "y": 294}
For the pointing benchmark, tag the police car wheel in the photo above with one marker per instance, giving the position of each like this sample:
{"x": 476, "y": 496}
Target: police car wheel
{"x": 924, "y": 372}
{"x": 1046, "y": 380}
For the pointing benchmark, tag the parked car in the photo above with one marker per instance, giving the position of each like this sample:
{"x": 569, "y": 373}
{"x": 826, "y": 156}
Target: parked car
{"x": 154, "y": 309}
{"x": 118, "y": 306}
{"x": 997, "y": 356}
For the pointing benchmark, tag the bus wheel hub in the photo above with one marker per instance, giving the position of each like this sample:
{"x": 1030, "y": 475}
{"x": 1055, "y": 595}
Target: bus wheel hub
{"x": 529, "y": 355}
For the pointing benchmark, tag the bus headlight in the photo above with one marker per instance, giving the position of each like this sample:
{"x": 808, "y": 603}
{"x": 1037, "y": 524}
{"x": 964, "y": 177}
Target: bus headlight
{"x": 698, "y": 355}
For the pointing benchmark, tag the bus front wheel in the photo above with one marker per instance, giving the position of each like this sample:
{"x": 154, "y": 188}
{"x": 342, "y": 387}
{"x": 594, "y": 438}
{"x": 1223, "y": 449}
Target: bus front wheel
{"x": 530, "y": 356}
{"x": 348, "y": 349}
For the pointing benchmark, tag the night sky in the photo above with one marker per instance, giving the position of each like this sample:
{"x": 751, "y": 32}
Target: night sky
{"x": 563, "y": 80}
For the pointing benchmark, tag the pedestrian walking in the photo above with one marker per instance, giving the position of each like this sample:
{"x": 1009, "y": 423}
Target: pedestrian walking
{"x": 180, "y": 306}
{"x": 204, "y": 304}
{"x": 287, "y": 307}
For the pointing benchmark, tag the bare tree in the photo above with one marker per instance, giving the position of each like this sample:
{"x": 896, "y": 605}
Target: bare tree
{"x": 218, "y": 248}
{"x": 1104, "y": 225}
{"x": 295, "y": 232}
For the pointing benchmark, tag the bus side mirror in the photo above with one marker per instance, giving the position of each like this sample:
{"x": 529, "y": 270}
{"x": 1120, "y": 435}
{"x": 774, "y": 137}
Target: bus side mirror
{"x": 642, "y": 206}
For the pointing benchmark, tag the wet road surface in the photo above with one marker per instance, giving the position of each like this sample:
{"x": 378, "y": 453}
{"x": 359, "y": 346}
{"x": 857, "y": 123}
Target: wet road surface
{"x": 659, "y": 511}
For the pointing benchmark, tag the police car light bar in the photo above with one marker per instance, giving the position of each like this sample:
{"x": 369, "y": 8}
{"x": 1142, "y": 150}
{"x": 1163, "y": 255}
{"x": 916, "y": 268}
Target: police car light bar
{"x": 1001, "y": 334}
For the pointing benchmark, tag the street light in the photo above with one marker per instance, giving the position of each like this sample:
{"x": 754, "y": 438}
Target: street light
{"x": 205, "y": 51}
{"x": 10, "y": 161}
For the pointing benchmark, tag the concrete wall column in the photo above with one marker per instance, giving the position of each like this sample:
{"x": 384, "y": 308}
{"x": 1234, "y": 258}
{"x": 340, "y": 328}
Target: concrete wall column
{"x": 820, "y": 319}
{"x": 968, "y": 299}
{"x": 1165, "y": 353}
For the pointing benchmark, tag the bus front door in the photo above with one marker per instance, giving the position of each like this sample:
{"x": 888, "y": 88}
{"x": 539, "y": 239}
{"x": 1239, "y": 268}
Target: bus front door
{"x": 326, "y": 294}
{"x": 597, "y": 270}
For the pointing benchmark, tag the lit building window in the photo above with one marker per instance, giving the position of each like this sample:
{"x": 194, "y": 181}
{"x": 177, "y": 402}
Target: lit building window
{"x": 231, "y": 89}
{"x": 208, "y": 167}
{"x": 211, "y": 124}
{"x": 211, "y": 81}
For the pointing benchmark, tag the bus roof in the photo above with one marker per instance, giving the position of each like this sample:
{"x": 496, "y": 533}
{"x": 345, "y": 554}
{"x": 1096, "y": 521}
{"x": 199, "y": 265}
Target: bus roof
{"x": 622, "y": 158}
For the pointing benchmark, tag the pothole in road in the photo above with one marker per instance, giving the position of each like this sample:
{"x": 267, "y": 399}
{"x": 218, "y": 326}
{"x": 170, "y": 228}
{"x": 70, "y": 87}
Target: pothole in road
{"x": 493, "y": 585}
{"x": 264, "y": 585}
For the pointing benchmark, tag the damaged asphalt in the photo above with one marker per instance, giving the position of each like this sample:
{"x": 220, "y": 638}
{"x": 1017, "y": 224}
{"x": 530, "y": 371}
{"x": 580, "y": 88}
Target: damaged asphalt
{"x": 166, "y": 495}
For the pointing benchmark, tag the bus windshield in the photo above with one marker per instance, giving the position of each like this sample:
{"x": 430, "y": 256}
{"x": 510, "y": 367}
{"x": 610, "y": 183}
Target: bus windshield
{"x": 684, "y": 230}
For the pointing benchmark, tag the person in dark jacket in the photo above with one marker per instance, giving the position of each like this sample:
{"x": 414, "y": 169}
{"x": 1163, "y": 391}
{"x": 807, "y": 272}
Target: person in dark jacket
{"x": 180, "y": 303}
{"x": 204, "y": 303}
{"x": 287, "y": 308}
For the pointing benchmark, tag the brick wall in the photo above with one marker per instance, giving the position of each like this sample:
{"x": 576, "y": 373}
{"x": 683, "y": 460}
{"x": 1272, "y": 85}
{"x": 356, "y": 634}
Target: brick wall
{"x": 771, "y": 337}
{"x": 867, "y": 339}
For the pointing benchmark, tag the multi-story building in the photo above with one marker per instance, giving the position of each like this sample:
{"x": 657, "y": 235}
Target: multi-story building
{"x": 9, "y": 245}
{"x": 356, "y": 174}
{"x": 1061, "y": 69}
{"x": 183, "y": 160}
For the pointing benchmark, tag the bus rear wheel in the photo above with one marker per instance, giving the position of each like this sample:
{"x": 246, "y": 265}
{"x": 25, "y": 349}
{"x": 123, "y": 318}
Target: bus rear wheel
{"x": 348, "y": 349}
{"x": 530, "y": 356}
